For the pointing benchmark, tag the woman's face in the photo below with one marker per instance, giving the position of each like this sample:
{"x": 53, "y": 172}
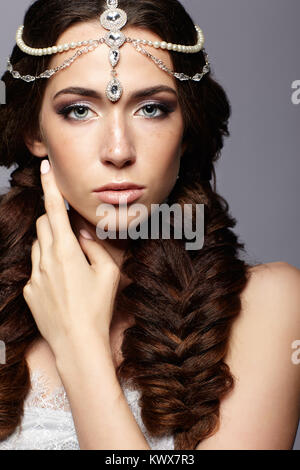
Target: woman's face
{"x": 91, "y": 141}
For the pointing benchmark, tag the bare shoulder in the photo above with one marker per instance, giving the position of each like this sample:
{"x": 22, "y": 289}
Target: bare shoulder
{"x": 270, "y": 303}
{"x": 263, "y": 409}
{"x": 279, "y": 278}
{"x": 275, "y": 286}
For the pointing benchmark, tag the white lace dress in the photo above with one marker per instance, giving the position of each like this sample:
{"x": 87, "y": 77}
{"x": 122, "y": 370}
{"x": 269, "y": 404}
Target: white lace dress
{"x": 48, "y": 424}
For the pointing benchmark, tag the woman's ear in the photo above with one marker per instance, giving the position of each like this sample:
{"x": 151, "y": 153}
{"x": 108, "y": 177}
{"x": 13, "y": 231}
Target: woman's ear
{"x": 36, "y": 145}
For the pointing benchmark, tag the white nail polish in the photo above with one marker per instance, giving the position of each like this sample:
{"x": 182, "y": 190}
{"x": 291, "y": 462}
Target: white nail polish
{"x": 45, "y": 167}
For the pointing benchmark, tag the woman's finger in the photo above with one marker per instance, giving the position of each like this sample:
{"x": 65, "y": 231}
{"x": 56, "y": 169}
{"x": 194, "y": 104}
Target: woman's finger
{"x": 56, "y": 208}
{"x": 35, "y": 258}
{"x": 44, "y": 234}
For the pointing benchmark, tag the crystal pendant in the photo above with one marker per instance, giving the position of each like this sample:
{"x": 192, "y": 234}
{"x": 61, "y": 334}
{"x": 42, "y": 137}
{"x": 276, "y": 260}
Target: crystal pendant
{"x": 115, "y": 39}
{"x": 197, "y": 77}
{"x": 29, "y": 78}
{"x": 47, "y": 73}
{"x": 112, "y": 3}
{"x": 181, "y": 76}
{"x": 113, "y": 19}
{"x": 114, "y": 90}
{"x": 9, "y": 66}
{"x": 114, "y": 57}
{"x": 113, "y": 16}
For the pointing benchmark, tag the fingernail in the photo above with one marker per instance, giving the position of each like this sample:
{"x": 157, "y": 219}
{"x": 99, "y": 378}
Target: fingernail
{"x": 86, "y": 234}
{"x": 45, "y": 166}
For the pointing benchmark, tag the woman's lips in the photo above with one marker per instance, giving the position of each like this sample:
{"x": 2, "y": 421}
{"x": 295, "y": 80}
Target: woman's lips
{"x": 114, "y": 196}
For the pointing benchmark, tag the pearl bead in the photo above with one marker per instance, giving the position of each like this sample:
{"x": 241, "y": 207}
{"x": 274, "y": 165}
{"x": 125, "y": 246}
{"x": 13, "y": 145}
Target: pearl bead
{"x": 65, "y": 47}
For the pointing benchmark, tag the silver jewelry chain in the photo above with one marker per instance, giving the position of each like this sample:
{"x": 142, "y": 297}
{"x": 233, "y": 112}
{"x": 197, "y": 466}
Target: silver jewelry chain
{"x": 95, "y": 43}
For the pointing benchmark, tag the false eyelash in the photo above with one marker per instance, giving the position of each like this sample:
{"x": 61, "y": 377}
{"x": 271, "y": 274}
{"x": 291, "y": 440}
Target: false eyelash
{"x": 66, "y": 110}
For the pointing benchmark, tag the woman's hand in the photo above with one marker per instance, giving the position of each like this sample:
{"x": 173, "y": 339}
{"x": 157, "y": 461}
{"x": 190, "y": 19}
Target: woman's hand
{"x": 67, "y": 296}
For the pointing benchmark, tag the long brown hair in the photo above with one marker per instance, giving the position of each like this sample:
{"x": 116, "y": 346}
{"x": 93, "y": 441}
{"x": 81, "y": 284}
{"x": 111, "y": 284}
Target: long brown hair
{"x": 184, "y": 302}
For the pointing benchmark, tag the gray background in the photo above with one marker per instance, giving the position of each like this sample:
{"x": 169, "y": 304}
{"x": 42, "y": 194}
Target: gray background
{"x": 254, "y": 53}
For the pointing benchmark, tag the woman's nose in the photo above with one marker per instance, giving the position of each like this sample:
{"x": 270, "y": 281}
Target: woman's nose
{"x": 118, "y": 146}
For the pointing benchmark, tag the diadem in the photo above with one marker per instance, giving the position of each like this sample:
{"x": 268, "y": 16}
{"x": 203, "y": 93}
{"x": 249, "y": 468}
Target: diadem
{"x": 113, "y": 19}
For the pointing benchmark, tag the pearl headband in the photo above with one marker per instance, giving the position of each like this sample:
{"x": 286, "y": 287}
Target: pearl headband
{"x": 113, "y": 19}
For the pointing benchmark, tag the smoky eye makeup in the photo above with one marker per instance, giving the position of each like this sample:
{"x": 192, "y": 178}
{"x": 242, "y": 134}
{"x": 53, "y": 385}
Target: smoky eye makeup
{"x": 82, "y": 109}
{"x": 76, "y": 108}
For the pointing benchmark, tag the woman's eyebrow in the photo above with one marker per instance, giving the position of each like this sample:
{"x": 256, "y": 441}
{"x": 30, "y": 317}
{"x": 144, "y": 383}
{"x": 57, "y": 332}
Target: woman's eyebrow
{"x": 88, "y": 92}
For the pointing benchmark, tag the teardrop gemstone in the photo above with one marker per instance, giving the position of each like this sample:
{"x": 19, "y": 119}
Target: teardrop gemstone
{"x": 114, "y": 90}
{"x": 114, "y": 56}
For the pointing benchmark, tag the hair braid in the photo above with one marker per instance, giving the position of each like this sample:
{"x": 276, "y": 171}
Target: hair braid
{"x": 19, "y": 208}
{"x": 184, "y": 305}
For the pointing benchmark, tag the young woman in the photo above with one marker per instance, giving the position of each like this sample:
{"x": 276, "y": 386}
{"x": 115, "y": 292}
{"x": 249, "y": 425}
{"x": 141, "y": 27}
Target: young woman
{"x": 130, "y": 343}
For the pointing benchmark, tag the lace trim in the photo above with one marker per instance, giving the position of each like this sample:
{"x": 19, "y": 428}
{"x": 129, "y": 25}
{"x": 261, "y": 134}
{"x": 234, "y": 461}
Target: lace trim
{"x": 41, "y": 396}
{"x": 42, "y": 399}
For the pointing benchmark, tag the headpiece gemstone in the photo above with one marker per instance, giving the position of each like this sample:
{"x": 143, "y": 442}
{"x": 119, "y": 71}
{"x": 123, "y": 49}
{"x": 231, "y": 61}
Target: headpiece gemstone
{"x": 114, "y": 90}
{"x": 181, "y": 76}
{"x": 113, "y": 19}
{"x": 113, "y": 16}
{"x": 115, "y": 39}
{"x": 197, "y": 77}
{"x": 114, "y": 56}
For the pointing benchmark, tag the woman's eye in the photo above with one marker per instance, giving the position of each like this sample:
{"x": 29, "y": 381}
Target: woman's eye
{"x": 150, "y": 110}
{"x": 76, "y": 112}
